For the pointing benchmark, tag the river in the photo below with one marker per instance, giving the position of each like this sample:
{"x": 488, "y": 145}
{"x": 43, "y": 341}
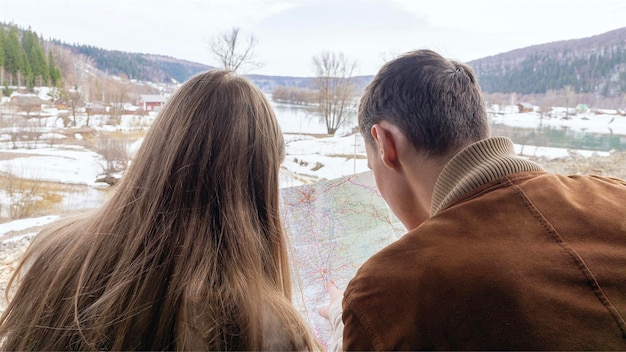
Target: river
{"x": 564, "y": 134}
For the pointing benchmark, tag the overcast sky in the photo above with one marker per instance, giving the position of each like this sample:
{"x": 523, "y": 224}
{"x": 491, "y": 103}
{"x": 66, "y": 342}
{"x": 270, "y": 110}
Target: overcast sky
{"x": 291, "y": 32}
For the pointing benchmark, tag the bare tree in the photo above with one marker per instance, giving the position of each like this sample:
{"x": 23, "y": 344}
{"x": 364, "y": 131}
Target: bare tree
{"x": 116, "y": 96}
{"x": 570, "y": 96}
{"x": 333, "y": 81}
{"x": 548, "y": 101}
{"x": 114, "y": 151}
{"x": 233, "y": 52}
{"x": 73, "y": 97}
{"x": 389, "y": 55}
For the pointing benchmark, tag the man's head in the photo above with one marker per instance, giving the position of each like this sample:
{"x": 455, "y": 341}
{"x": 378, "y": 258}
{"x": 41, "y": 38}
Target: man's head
{"x": 435, "y": 102}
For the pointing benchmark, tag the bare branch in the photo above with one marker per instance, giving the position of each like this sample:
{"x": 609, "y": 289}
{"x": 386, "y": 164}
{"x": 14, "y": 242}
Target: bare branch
{"x": 231, "y": 53}
{"x": 333, "y": 72}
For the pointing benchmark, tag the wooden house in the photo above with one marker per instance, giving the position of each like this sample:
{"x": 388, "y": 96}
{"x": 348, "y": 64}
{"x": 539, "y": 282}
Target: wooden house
{"x": 61, "y": 104}
{"x": 95, "y": 108}
{"x": 151, "y": 102}
{"x": 29, "y": 103}
{"x": 525, "y": 107}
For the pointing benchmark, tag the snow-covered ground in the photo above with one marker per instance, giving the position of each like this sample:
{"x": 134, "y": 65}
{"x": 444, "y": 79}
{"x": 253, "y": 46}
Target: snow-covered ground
{"x": 66, "y": 164}
{"x": 587, "y": 122}
{"x": 308, "y": 158}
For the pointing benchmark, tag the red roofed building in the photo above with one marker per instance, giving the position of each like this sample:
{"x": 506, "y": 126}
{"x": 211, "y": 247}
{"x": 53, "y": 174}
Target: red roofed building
{"x": 151, "y": 102}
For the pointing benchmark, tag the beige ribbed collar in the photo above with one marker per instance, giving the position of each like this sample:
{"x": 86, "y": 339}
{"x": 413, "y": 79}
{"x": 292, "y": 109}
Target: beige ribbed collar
{"x": 476, "y": 165}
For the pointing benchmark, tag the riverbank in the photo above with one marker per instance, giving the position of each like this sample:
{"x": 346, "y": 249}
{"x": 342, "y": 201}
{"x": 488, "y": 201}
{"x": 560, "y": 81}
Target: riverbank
{"x": 613, "y": 164}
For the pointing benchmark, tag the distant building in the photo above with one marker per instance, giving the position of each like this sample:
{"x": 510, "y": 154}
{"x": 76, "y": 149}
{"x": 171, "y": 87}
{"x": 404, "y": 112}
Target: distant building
{"x": 28, "y": 103}
{"x": 61, "y": 104}
{"x": 525, "y": 107}
{"x": 151, "y": 102}
{"x": 582, "y": 109}
{"x": 129, "y": 108}
{"x": 95, "y": 108}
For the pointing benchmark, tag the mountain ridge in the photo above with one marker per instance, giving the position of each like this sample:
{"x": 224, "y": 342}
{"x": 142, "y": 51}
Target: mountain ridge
{"x": 593, "y": 65}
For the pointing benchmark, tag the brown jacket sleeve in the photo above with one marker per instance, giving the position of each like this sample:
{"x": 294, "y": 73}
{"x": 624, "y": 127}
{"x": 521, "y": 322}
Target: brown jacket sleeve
{"x": 357, "y": 337}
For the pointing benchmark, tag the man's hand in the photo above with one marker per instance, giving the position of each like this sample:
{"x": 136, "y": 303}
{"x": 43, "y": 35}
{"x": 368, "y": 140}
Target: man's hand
{"x": 335, "y": 294}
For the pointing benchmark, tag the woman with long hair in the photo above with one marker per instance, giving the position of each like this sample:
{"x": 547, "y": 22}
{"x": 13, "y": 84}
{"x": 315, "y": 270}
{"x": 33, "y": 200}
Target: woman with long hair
{"x": 188, "y": 254}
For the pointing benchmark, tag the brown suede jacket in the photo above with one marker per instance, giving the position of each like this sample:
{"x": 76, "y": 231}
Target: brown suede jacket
{"x": 512, "y": 258}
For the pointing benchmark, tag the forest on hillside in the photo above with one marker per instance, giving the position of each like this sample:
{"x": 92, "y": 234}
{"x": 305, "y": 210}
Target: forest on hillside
{"x": 27, "y": 60}
{"x": 24, "y": 61}
{"x": 588, "y": 70}
{"x": 594, "y": 65}
{"x": 143, "y": 67}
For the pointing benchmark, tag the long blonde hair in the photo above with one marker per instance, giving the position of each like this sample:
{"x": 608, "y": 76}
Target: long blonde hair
{"x": 188, "y": 253}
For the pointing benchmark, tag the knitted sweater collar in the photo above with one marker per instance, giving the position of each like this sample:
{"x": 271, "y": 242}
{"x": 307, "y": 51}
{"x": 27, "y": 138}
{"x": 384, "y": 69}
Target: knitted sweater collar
{"x": 478, "y": 164}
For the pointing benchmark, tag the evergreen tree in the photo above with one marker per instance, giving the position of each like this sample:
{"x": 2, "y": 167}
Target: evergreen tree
{"x": 1, "y": 46}
{"x": 54, "y": 72}
{"x": 2, "y": 55}
{"x": 27, "y": 47}
{"x": 43, "y": 62}
{"x": 26, "y": 71}
{"x": 36, "y": 58}
{"x": 13, "y": 54}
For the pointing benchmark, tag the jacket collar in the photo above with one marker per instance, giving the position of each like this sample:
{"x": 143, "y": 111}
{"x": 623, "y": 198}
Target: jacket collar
{"x": 478, "y": 164}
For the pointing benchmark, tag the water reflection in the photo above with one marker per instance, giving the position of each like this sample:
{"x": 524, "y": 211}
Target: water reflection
{"x": 299, "y": 119}
{"x": 561, "y": 137}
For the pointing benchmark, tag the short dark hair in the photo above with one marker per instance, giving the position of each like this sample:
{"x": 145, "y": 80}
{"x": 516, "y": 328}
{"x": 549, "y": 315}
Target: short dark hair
{"x": 436, "y": 102}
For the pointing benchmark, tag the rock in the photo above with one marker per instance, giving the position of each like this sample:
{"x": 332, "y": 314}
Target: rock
{"x": 108, "y": 179}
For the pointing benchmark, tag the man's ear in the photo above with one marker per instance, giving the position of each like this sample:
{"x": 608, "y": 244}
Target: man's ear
{"x": 386, "y": 143}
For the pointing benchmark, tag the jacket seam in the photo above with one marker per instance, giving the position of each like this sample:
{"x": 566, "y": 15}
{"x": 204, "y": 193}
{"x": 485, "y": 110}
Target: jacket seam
{"x": 592, "y": 282}
{"x": 366, "y": 323}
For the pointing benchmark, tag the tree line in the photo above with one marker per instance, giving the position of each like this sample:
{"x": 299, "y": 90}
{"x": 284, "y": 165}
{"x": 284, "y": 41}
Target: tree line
{"x": 118, "y": 62}
{"x": 137, "y": 66}
{"x": 594, "y": 65}
{"x": 599, "y": 73}
{"x": 23, "y": 60}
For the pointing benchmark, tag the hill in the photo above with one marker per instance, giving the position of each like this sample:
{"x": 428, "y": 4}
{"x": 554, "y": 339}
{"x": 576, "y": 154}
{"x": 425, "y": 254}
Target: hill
{"x": 595, "y": 65}
{"x": 142, "y": 67}
{"x": 166, "y": 69}
{"x": 269, "y": 83}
